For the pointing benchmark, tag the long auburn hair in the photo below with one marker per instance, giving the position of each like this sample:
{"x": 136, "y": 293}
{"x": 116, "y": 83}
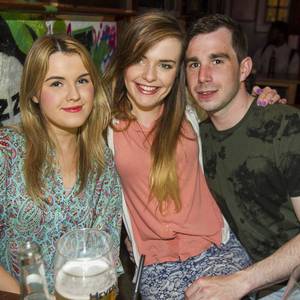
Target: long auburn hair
{"x": 38, "y": 143}
{"x": 140, "y": 35}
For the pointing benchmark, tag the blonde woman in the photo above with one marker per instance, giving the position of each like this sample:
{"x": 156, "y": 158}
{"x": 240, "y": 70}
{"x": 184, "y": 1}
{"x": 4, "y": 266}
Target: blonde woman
{"x": 56, "y": 173}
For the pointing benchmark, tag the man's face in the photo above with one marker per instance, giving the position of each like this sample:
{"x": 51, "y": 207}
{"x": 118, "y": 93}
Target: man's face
{"x": 213, "y": 70}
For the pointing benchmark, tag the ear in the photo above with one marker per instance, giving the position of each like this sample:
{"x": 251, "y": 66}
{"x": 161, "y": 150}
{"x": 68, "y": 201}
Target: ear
{"x": 35, "y": 99}
{"x": 245, "y": 68}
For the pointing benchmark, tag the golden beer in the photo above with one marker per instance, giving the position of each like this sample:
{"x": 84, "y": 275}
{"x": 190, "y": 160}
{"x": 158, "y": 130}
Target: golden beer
{"x": 86, "y": 280}
{"x": 109, "y": 295}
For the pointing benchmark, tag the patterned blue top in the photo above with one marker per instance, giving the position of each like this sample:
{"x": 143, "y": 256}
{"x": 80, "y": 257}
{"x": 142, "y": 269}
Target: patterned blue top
{"x": 98, "y": 205}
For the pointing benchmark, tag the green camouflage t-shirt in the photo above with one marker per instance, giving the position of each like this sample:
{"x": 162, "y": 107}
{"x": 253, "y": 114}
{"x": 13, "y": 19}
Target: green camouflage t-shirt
{"x": 252, "y": 170}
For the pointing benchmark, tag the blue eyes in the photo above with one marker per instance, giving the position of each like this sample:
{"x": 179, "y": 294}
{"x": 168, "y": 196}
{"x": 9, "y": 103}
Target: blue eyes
{"x": 83, "y": 80}
{"x": 80, "y": 81}
{"x": 56, "y": 84}
{"x": 163, "y": 65}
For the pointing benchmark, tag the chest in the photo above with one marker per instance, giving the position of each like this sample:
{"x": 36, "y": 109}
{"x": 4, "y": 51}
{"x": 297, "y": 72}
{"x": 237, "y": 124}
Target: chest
{"x": 134, "y": 158}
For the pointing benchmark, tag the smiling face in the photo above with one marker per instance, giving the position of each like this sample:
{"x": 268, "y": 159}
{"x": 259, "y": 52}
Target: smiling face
{"x": 214, "y": 74}
{"x": 150, "y": 80}
{"x": 67, "y": 93}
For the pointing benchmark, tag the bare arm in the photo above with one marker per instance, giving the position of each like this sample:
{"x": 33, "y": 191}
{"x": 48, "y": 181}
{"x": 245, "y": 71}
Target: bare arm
{"x": 8, "y": 283}
{"x": 271, "y": 270}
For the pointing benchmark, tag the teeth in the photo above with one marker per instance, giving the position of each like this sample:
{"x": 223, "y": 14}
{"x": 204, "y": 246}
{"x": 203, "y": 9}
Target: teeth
{"x": 147, "y": 88}
{"x": 206, "y": 92}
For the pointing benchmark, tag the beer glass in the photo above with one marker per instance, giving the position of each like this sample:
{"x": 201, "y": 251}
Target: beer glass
{"x": 292, "y": 291}
{"x": 84, "y": 267}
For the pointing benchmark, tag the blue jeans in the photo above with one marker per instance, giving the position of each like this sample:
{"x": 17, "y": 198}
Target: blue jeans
{"x": 169, "y": 280}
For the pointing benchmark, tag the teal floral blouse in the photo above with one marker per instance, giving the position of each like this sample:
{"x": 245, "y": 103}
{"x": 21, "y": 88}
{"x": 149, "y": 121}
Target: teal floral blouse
{"x": 98, "y": 205}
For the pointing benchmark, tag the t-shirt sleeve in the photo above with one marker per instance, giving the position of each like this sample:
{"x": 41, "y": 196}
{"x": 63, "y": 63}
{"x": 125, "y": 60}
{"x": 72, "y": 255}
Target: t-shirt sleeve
{"x": 289, "y": 152}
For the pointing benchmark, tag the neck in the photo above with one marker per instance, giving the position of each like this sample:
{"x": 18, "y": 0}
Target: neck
{"x": 233, "y": 112}
{"x": 65, "y": 142}
{"x": 147, "y": 117}
{"x": 67, "y": 156}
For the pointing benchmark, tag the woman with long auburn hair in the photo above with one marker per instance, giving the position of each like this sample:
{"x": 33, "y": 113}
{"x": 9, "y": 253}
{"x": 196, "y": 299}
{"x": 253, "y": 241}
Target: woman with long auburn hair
{"x": 56, "y": 172}
{"x": 169, "y": 213}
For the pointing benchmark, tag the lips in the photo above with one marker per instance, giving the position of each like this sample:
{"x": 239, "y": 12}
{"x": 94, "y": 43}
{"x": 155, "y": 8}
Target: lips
{"x": 205, "y": 94}
{"x": 73, "y": 109}
{"x": 146, "y": 89}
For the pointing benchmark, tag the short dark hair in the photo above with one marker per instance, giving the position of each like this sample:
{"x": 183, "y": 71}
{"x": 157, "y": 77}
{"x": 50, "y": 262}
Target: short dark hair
{"x": 211, "y": 23}
{"x": 280, "y": 26}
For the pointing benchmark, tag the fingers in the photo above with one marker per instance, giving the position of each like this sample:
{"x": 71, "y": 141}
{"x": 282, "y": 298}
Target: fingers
{"x": 129, "y": 248}
{"x": 283, "y": 101}
{"x": 256, "y": 91}
{"x": 191, "y": 291}
{"x": 267, "y": 96}
{"x": 128, "y": 244}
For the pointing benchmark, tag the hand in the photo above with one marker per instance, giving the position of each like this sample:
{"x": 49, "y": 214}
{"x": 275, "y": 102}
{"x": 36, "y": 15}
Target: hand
{"x": 129, "y": 248}
{"x": 267, "y": 96}
{"x": 228, "y": 287}
{"x": 8, "y": 283}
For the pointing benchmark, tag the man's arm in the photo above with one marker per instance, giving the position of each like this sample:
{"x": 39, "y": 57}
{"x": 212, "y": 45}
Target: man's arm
{"x": 266, "y": 272}
{"x": 8, "y": 283}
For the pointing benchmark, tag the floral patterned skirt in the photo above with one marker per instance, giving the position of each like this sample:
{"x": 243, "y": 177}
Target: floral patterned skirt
{"x": 169, "y": 280}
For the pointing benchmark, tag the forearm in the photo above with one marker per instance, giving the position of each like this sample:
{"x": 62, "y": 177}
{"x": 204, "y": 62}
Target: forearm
{"x": 8, "y": 283}
{"x": 272, "y": 269}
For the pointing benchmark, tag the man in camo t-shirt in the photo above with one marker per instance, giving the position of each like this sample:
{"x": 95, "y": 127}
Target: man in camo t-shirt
{"x": 251, "y": 158}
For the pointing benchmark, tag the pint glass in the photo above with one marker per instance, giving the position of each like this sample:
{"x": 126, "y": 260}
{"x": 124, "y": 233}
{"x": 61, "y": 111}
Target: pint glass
{"x": 84, "y": 267}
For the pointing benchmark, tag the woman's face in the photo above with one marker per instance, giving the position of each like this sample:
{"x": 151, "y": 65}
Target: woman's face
{"x": 150, "y": 80}
{"x": 67, "y": 93}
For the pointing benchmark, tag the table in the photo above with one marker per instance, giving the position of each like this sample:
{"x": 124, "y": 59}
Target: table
{"x": 8, "y": 296}
{"x": 289, "y": 82}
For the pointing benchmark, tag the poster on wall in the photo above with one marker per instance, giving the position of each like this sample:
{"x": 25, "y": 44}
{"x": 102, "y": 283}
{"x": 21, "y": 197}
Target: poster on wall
{"x": 19, "y": 31}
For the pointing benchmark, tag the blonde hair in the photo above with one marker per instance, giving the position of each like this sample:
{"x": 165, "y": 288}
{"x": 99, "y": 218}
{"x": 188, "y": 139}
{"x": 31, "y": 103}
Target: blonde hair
{"x": 38, "y": 142}
{"x": 139, "y": 36}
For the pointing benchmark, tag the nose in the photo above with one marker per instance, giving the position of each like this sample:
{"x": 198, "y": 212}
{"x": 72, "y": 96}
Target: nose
{"x": 149, "y": 73}
{"x": 73, "y": 93}
{"x": 204, "y": 74}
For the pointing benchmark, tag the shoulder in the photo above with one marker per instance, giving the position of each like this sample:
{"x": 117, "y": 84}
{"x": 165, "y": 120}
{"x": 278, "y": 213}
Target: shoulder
{"x": 11, "y": 145}
{"x": 109, "y": 164}
{"x": 11, "y": 137}
{"x": 278, "y": 110}
{"x": 205, "y": 124}
{"x": 280, "y": 119}
{"x": 107, "y": 154}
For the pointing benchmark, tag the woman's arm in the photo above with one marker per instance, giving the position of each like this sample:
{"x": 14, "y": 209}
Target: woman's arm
{"x": 8, "y": 283}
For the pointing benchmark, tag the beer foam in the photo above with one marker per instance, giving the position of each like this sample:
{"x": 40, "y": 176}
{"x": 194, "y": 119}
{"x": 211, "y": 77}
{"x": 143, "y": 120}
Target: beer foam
{"x": 79, "y": 278}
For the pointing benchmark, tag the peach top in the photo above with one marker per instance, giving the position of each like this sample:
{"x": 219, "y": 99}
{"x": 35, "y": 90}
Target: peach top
{"x": 170, "y": 236}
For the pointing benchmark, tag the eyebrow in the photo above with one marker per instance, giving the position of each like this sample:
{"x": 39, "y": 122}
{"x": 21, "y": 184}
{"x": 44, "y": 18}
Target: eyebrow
{"x": 211, "y": 56}
{"x": 167, "y": 61}
{"x": 189, "y": 59}
{"x": 62, "y": 78}
{"x": 219, "y": 55}
{"x": 163, "y": 60}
